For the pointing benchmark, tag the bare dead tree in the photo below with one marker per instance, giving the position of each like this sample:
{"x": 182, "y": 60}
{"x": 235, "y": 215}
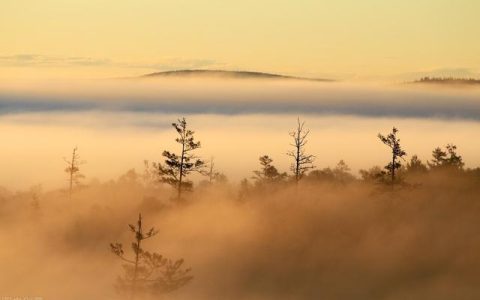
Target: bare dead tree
{"x": 149, "y": 175}
{"x": 148, "y": 272}
{"x": 73, "y": 170}
{"x": 392, "y": 141}
{"x": 213, "y": 174}
{"x": 302, "y": 162}
{"x": 177, "y": 167}
{"x": 211, "y": 171}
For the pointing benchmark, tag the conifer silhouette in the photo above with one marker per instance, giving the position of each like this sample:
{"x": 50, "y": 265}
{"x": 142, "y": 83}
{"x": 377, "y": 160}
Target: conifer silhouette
{"x": 148, "y": 273}
{"x": 177, "y": 167}
{"x": 392, "y": 141}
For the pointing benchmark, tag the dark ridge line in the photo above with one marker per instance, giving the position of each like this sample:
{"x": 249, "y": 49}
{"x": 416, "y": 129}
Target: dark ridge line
{"x": 446, "y": 81}
{"x": 229, "y": 74}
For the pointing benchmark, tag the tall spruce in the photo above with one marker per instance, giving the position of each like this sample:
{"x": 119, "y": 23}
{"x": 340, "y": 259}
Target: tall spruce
{"x": 178, "y": 166}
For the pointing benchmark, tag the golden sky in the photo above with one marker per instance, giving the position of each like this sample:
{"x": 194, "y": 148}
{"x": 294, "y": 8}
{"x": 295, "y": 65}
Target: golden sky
{"x": 344, "y": 39}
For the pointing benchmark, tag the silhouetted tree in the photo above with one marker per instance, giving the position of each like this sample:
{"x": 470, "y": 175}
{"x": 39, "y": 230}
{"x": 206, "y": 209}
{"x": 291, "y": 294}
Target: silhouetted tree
{"x": 342, "y": 173}
{"x": 446, "y": 159}
{"x": 438, "y": 158}
{"x": 268, "y": 172}
{"x": 393, "y": 142}
{"x": 73, "y": 170}
{"x": 323, "y": 175}
{"x": 454, "y": 160}
{"x": 339, "y": 175}
{"x": 212, "y": 174}
{"x": 149, "y": 175}
{"x": 416, "y": 166}
{"x": 148, "y": 272}
{"x": 475, "y": 172}
{"x": 221, "y": 178}
{"x": 374, "y": 175}
{"x": 129, "y": 178}
{"x": 302, "y": 162}
{"x": 177, "y": 167}
{"x": 244, "y": 190}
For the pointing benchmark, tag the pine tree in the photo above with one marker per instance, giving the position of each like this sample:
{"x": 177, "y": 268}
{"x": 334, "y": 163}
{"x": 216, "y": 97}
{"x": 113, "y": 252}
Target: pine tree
{"x": 438, "y": 158}
{"x": 446, "y": 159}
{"x": 148, "y": 273}
{"x": 415, "y": 165}
{"x": 392, "y": 141}
{"x": 177, "y": 167}
{"x": 454, "y": 160}
{"x": 268, "y": 172}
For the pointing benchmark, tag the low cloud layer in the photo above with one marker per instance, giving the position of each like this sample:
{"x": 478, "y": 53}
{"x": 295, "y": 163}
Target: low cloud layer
{"x": 187, "y": 96}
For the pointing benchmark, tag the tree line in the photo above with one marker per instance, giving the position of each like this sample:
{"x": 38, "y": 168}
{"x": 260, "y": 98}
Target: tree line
{"x": 176, "y": 168}
{"x": 149, "y": 272}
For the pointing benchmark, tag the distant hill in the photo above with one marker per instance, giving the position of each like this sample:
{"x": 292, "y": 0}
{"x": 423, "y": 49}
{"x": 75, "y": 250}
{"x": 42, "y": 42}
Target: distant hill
{"x": 448, "y": 81}
{"x": 226, "y": 74}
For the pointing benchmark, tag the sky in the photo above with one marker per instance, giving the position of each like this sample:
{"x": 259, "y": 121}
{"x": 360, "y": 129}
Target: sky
{"x": 342, "y": 39}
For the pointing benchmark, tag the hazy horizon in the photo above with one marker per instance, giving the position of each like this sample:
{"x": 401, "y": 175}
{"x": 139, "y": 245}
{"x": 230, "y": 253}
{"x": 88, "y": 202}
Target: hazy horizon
{"x": 117, "y": 124}
{"x": 254, "y": 182}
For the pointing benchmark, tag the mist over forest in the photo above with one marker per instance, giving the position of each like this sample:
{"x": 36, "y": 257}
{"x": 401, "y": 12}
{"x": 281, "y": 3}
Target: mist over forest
{"x": 239, "y": 150}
